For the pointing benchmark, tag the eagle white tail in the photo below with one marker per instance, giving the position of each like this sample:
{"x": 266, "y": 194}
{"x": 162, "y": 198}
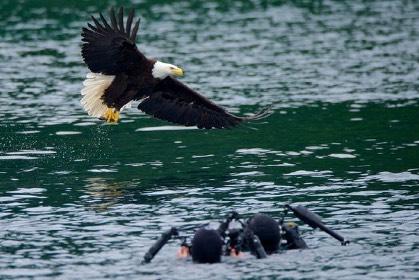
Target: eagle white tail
{"x": 94, "y": 88}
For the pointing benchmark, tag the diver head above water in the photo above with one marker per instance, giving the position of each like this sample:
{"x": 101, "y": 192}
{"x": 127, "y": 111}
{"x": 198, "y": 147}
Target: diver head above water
{"x": 207, "y": 246}
{"x": 267, "y": 229}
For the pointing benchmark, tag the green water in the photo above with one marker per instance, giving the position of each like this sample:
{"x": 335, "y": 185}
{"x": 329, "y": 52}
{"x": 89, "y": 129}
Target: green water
{"x": 83, "y": 200}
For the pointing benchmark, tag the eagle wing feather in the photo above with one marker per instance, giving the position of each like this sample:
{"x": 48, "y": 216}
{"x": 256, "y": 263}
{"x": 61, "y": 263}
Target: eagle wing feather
{"x": 175, "y": 102}
{"x": 110, "y": 49}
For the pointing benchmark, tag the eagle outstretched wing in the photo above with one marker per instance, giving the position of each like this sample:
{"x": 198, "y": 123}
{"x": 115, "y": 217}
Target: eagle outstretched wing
{"x": 175, "y": 102}
{"x": 110, "y": 48}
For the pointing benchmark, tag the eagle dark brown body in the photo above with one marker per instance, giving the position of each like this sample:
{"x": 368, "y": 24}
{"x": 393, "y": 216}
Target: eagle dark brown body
{"x": 120, "y": 74}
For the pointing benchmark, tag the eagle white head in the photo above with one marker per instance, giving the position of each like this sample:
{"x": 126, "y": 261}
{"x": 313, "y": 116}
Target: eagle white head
{"x": 161, "y": 70}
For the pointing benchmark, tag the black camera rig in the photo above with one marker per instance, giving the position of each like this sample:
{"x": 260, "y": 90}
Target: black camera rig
{"x": 242, "y": 238}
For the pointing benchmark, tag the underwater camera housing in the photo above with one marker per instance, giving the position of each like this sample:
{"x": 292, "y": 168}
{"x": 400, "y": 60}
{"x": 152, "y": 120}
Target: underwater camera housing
{"x": 291, "y": 235}
{"x": 240, "y": 238}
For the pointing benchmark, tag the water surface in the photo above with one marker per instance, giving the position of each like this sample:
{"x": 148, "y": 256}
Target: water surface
{"x": 82, "y": 199}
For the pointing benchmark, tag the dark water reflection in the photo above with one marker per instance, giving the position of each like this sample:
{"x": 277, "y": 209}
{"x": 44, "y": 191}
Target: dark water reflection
{"x": 82, "y": 199}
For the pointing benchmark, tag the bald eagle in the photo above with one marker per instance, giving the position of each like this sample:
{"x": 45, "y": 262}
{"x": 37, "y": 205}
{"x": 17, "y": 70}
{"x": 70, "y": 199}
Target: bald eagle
{"x": 120, "y": 73}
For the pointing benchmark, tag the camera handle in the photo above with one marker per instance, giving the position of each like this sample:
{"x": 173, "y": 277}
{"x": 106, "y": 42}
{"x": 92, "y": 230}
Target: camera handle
{"x": 164, "y": 238}
{"x": 314, "y": 221}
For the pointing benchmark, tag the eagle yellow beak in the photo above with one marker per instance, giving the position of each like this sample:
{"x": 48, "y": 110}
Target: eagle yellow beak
{"x": 177, "y": 72}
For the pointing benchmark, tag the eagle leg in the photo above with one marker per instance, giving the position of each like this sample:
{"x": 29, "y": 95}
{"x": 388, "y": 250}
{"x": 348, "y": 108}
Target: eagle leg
{"x": 111, "y": 115}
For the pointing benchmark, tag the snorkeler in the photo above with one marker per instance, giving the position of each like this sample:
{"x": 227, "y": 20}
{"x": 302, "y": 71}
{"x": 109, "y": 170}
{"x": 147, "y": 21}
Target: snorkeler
{"x": 261, "y": 235}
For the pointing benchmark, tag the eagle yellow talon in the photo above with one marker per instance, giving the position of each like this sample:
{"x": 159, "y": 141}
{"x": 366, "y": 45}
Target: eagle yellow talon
{"x": 111, "y": 115}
